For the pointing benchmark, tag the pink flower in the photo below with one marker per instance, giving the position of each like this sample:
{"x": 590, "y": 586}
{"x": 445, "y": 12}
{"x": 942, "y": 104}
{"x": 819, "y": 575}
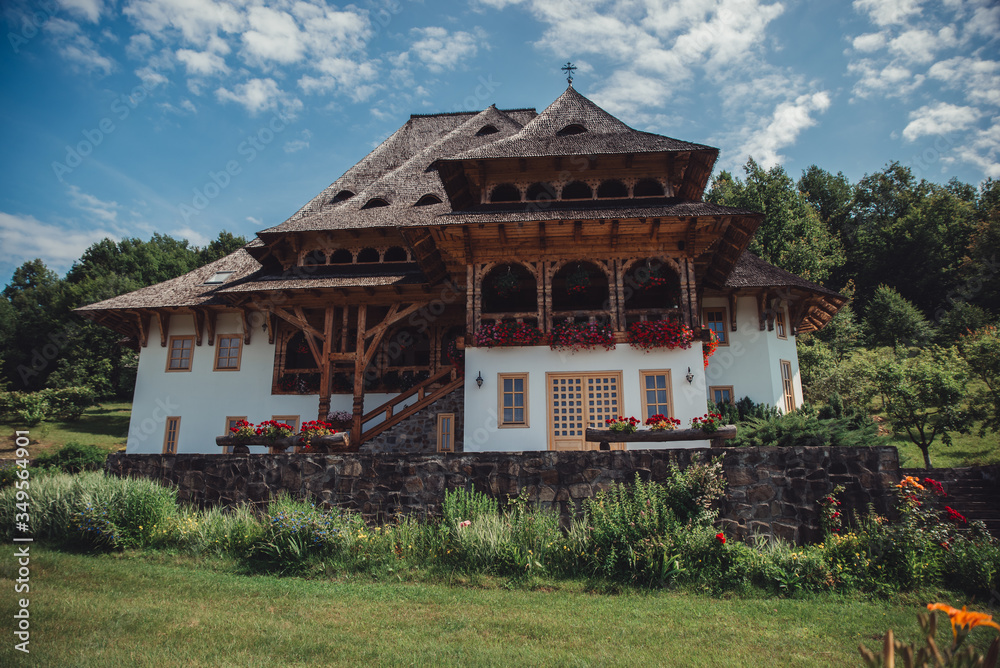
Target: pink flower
{"x": 464, "y": 523}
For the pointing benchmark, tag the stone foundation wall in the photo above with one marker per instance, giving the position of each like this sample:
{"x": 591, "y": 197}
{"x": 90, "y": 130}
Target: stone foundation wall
{"x": 771, "y": 491}
{"x": 418, "y": 433}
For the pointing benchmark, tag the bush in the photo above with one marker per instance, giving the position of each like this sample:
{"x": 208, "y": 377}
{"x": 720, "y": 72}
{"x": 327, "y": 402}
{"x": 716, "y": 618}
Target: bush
{"x": 68, "y": 403}
{"x": 799, "y": 428}
{"x": 743, "y": 410}
{"x": 27, "y": 408}
{"x": 73, "y": 458}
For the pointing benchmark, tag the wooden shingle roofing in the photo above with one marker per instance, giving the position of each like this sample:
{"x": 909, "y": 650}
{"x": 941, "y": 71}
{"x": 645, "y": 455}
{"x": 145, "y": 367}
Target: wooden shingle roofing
{"x": 604, "y": 134}
{"x": 752, "y": 272}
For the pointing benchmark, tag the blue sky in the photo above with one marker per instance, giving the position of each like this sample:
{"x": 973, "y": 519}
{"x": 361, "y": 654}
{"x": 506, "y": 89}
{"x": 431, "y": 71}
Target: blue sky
{"x": 187, "y": 117}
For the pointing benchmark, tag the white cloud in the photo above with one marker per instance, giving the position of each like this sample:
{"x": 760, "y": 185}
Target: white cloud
{"x": 890, "y": 80}
{"x": 77, "y": 48}
{"x": 23, "y": 238}
{"x": 255, "y": 221}
{"x": 980, "y": 79}
{"x": 888, "y": 12}
{"x": 440, "y": 50}
{"x": 203, "y": 63}
{"x": 139, "y": 46}
{"x": 273, "y": 36}
{"x": 197, "y": 21}
{"x": 194, "y": 237}
{"x": 258, "y": 95}
{"x": 872, "y": 41}
{"x": 356, "y": 79}
{"x": 983, "y": 149}
{"x": 99, "y": 210}
{"x": 89, "y": 10}
{"x": 938, "y": 119}
{"x": 298, "y": 144}
{"x": 784, "y": 126}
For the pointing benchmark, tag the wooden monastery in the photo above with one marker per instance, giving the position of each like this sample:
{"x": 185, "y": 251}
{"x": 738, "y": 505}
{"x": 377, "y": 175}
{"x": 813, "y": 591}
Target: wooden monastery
{"x": 474, "y": 284}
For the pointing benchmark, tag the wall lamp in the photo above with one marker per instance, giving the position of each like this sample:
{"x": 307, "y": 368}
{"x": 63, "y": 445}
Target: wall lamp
{"x": 479, "y": 379}
{"x": 689, "y": 376}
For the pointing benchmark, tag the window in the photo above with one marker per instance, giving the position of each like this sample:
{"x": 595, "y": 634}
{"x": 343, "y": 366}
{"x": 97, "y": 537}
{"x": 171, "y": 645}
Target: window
{"x": 721, "y": 394}
{"x": 374, "y": 203}
{"x": 786, "y": 384}
{"x": 231, "y": 421}
{"x": 656, "y": 395}
{"x": 227, "y": 352}
{"x": 779, "y": 323}
{"x": 513, "y": 399}
{"x": 180, "y": 350}
{"x": 170, "y": 435}
{"x": 428, "y": 199}
{"x": 446, "y": 432}
{"x": 219, "y": 277}
{"x": 292, "y": 421}
{"x": 715, "y": 320}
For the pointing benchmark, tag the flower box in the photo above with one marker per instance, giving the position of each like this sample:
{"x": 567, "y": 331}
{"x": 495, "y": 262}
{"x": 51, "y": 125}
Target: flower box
{"x": 651, "y": 334}
{"x": 507, "y": 333}
{"x": 582, "y": 336}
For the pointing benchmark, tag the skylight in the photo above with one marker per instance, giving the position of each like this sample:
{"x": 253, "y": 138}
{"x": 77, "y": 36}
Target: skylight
{"x": 219, "y": 277}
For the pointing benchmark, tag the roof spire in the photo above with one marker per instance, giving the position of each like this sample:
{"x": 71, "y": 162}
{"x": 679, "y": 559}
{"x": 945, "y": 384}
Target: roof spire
{"x": 568, "y": 68}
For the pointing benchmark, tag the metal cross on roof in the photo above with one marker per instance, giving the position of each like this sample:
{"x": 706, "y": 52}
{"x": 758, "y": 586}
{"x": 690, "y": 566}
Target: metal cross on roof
{"x": 568, "y": 68}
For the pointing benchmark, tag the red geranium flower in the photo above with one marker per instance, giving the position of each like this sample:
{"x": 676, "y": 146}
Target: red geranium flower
{"x": 721, "y": 537}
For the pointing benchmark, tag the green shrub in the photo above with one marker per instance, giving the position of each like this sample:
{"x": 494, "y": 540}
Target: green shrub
{"x": 68, "y": 403}
{"x": 799, "y": 428}
{"x": 27, "y": 408}
{"x": 9, "y": 473}
{"x": 73, "y": 458}
{"x": 460, "y": 505}
{"x": 743, "y": 410}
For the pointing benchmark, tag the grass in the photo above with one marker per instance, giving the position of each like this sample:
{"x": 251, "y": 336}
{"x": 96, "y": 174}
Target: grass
{"x": 965, "y": 450}
{"x": 164, "y": 610}
{"x": 105, "y": 426}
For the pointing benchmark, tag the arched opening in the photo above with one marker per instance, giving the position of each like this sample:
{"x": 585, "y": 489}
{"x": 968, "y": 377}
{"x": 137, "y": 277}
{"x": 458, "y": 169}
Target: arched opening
{"x": 314, "y": 258}
{"x": 611, "y": 189}
{"x": 487, "y": 130}
{"x": 505, "y": 192}
{"x": 374, "y": 203}
{"x": 297, "y": 353}
{"x": 368, "y": 255}
{"x": 572, "y": 129}
{"x": 541, "y": 192}
{"x": 577, "y": 190}
{"x": 648, "y": 188}
{"x": 428, "y": 199}
{"x": 406, "y": 358}
{"x": 342, "y": 196}
{"x": 580, "y": 286}
{"x": 395, "y": 254}
{"x": 651, "y": 284}
{"x": 342, "y": 256}
{"x": 510, "y": 288}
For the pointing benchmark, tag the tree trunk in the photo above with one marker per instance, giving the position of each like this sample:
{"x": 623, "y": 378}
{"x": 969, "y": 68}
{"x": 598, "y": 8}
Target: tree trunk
{"x": 927, "y": 456}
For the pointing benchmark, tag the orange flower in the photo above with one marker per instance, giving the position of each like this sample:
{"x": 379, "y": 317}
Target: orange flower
{"x": 964, "y": 618}
{"x": 910, "y": 481}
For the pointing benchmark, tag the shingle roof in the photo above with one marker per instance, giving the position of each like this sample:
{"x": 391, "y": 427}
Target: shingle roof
{"x": 604, "y": 134}
{"x": 399, "y": 171}
{"x": 350, "y": 276}
{"x": 186, "y": 290}
{"x": 591, "y": 210}
{"x": 752, "y": 272}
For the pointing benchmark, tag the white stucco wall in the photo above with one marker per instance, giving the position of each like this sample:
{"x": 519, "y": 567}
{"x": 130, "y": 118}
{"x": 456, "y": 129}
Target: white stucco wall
{"x": 751, "y": 361}
{"x": 203, "y": 398}
{"x": 481, "y": 431}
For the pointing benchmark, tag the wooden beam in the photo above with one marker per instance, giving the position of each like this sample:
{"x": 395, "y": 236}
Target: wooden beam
{"x": 732, "y": 311}
{"x": 502, "y": 231}
{"x": 210, "y": 322}
{"x": 359, "y": 374}
{"x": 142, "y": 323}
{"x": 614, "y": 235}
{"x": 164, "y": 320}
{"x": 542, "y": 241}
{"x": 199, "y": 325}
{"x": 247, "y": 327}
{"x": 654, "y": 232}
{"x": 578, "y": 231}
{"x": 324, "y": 365}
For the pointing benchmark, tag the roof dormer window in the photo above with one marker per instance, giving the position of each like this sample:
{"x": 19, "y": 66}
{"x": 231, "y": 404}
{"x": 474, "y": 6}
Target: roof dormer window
{"x": 487, "y": 130}
{"x": 428, "y": 199}
{"x": 342, "y": 196}
{"x": 374, "y": 203}
{"x": 572, "y": 129}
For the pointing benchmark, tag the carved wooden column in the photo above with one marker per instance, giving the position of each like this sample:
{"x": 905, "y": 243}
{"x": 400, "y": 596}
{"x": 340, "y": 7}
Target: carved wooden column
{"x": 324, "y": 365}
{"x": 359, "y": 375}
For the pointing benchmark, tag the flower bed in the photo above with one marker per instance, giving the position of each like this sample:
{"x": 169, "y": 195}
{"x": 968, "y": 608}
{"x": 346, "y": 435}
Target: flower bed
{"x": 652, "y": 334}
{"x": 508, "y": 333}
{"x": 582, "y": 336}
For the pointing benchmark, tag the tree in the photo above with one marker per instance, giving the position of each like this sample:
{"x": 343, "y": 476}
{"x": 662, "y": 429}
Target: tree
{"x": 39, "y": 308}
{"x": 830, "y": 195}
{"x": 981, "y": 350}
{"x": 893, "y": 320}
{"x": 791, "y": 236}
{"x": 923, "y": 395}
{"x": 222, "y": 246}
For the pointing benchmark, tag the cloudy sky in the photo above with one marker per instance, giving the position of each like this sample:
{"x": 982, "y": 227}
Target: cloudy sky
{"x": 187, "y": 117}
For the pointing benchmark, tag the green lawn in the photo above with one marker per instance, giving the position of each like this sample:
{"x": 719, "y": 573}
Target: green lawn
{"x": 158, "y": 610}
{"x": 105, "y": 425}
{"x": 965, "y": 450}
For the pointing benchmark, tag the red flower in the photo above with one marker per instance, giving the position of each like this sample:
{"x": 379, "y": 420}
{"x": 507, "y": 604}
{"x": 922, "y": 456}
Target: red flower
{"x": 955, "y": 516}
{"x": 721, "y": 537}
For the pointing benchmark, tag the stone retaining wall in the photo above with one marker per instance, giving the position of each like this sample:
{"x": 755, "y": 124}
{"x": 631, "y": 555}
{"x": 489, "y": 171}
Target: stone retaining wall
{"x": 771, "y": 491}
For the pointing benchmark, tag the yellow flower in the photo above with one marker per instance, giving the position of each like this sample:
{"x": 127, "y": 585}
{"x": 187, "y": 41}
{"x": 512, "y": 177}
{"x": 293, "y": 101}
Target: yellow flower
{"x": 964, "y": 618}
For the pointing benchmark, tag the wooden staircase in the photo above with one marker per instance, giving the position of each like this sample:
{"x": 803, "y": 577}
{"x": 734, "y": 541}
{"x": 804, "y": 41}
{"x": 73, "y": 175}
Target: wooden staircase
{"x": 973, "y": 491}
{"x": 439, "y": 385}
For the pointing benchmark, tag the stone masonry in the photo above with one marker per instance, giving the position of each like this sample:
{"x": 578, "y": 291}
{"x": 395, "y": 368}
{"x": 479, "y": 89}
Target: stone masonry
{"x": 418, "y": 433}
{"x": 771, "y": 491}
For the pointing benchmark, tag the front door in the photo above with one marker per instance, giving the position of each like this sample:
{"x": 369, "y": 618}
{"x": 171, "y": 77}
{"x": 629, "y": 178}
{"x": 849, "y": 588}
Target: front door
{"x": 581, "y": 400}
